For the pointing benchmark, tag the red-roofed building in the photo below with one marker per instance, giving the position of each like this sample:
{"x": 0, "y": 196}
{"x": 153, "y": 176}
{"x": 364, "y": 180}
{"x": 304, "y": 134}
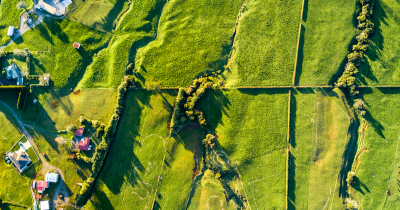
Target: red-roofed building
{"x": 79, "y": 132}
{"x": 41, "y": 185}
{"x": 38, "y": 196}
{"x": 77, "y": 45}
{"x": 84, "y": 144}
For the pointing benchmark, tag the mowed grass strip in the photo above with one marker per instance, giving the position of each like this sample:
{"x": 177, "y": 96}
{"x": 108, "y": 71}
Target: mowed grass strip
{"x": 319, "y": 125}
{"x": 265, "y": 46}
{"x": 136, "y": 155}
{"x": 193, "y": 37}
{"x": 381, "y": 62}
{"x": 252, "y": 128}
{"x": 58, "y": 36}
{"x": 379, "y": 163}
{"x": 326, "y": 37}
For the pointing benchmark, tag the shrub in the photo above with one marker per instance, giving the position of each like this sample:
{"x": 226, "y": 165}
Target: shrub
{"x": 21, "y": 5}
{"x": 71, "y": 128}
{"x": 21, "y": 98}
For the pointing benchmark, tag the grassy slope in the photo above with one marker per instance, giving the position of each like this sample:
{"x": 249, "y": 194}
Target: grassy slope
{"x": 40, "y": 63}
{"x": 319, "y": 126}
{"x": 92, "y": 103}
{"x": 378, "y": 169}
{"x": 57, "y": 155}
{"x": 193, "y": 37}
{"x": 266, "y": 44}
{"x": 101, "y": 15}
{"x": 328, "y": 31}
{"x": 381, "y": 67}
{"x": 14, "y": 186}
{"x": 135, "y": 29}
{"x": 252, "y": 128}
{"x": 58, "y": 36}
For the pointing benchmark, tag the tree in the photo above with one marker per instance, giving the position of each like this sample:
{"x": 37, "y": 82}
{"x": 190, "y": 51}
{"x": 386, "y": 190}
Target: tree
{"x": 153, "y": 85}
{"x": 21, "y": 5}
{"x": 71, "y": 128}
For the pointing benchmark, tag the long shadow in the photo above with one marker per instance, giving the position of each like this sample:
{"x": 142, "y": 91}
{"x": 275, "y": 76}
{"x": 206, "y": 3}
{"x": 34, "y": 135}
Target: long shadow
{"x": 300, "y": 56}
{"x": 360, "y": 186}
{"x": 291, "y": 182}
{"x": 112, "y": 15}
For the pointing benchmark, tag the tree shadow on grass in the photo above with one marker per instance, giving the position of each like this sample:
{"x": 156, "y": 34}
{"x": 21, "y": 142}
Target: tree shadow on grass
{"x": 291, "y": 182}
{"x": 300, "y": 56}
{"x": 360, "y": 186}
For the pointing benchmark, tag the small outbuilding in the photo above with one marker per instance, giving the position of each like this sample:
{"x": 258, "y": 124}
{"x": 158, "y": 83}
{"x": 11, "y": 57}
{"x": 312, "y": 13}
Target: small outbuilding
{"x": 51, "y": 177}
{"x": 79, "y": 132}
{"x": 10, "y": 31}
{"x": 44, "y": 205}
{"x": 77, "y": 45}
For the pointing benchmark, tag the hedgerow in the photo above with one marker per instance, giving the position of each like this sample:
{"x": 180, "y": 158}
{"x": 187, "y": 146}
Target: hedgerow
{"x": 21, "y": 98}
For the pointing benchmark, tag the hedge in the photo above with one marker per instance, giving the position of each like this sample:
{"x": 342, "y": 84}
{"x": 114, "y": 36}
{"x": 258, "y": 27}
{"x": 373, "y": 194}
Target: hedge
{"x": 21, "y": 98}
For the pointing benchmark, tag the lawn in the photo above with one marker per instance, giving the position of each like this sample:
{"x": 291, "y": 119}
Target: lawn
{"x": 136, "y": 156}
{"x": 136, "y": 28}
{"x": 379, "y": 164}
{"x": 328, "y": 34}
{"x": 318, "y": 136}
{"x": 265, "y": 46}
{"x": 15, "y": 187}
{"x": 58, "y": 36}
{"x": 32, "y": 155}
{"x": 193, "y": 37}
{"x": 56, "y": 109}
{"x": 41, "y": 63}
{"x": 252, "y": 128}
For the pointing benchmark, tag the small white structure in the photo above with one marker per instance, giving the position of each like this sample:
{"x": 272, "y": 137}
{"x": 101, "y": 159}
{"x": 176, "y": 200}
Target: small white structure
{"x": 44, "y": 205}
{"x": 10, "y": 31}
{"x": 34, "y": 101}
{"x": 51, "y": 177}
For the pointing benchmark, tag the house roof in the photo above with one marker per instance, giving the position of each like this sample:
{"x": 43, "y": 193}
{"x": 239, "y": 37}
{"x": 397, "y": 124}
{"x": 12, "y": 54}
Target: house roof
{"x": 79, "y": 132}
{"x": 10, "y": 31}
{"x": 77, "y": 45}
{"x": 44, "y": 205}
{"x": 84, "y": 143}
{"x": 38, "y": 196}
{"x": 41, "y": 184}
{"x": 13, "y": 71}
{"x": 20, "y": 159}
{"x": 51, "y": 177}
{"x": 20, "y": 81}
{"x": 50, "y": 9}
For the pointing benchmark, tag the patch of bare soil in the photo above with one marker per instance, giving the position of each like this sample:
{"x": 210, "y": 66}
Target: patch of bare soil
{"x": 54, "y": 104}
{"x": 77, "y": 92}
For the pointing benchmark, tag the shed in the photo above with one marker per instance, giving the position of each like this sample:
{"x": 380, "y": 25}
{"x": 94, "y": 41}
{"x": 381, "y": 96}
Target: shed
{"x": 44, "y": 205}
{"x": 51, "y": 177}
{"x": 77, "y": 45}
{"x": 10, "y": 31}
{"x": 79, "y": 132}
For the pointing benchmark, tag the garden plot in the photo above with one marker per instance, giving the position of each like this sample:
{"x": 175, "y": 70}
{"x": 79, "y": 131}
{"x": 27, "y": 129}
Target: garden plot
{"x": 252, "y": 128}
{"x": 318, "y": 136}
{"x": 265, "y": 44}
{"x": 377, "y": 172}
{"x": 327, "y": 34}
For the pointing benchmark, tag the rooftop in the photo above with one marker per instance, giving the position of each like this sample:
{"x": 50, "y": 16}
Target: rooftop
{"x": 84, "y": 143}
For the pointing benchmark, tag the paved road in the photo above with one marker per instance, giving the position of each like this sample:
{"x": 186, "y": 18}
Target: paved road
{"x": 46, "y": 166}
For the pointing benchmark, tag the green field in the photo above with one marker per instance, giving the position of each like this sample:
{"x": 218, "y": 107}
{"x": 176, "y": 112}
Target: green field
{"x": 252, "y": 129}
{"x": 379, "y": 164}
{"x": 102, "y": 15}
{"x": 265, "y": 46}
{"x": 193, "y": 37}
{"x": 327, "y": 36}
{"x": 318, "y": 136}
{"x": 58, "y": 36}
{"x": 41, "y": 63}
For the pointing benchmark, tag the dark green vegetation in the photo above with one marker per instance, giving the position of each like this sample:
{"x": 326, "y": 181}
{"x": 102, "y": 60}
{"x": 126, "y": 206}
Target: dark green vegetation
{"x": 265, "y": 45}
{"x": 327, "y": 32}
{"x": 318, "y": 136}
{"x": 193, "y": 37}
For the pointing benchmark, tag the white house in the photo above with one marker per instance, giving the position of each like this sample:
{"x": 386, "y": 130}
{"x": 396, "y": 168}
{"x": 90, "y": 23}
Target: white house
{"x": 44, "y": 205}
{"x": 10, "y": 31}
{"x": 51, "y": 177}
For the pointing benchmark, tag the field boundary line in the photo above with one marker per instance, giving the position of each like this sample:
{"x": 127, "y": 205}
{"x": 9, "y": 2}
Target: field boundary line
{"x": 298, "y": 44}
{"x": 287, "y": 150}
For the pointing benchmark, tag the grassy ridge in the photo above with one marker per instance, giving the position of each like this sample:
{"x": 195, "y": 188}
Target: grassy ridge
{"x": 193, "y": 37}
{"x": 381, "y": 67}
{"x": 378, "y": 167}
{"x": 266, "y": 43}
{"x": 318, "y": 135}
{"x": 326, "y": 36}
{"x": 252, "y": 128}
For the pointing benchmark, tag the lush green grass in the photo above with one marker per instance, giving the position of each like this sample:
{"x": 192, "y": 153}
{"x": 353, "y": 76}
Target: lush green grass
{"x": 193, "y": 37}
{"x": 32, "y": 155}
{"x": 381, "y": 65}
{"x": 136, "y": 156}
{"x": 18, "y": 60}
{"x": 252, "y": 128}
{"x": 379, "y": 164}
{"x": 135, "y": 29}
{"x": 57, "y": 155}
{"x": 318, "y": 136}
{"x": 15, "y": 187}
{"x": 326, "y": 37}
{"x": 56, "y": 109}
{"x": 58, "y": 37}
{"x": 266, "y": 43}
{"x": 101, "y": 15}
{"x": 40, "y": 63}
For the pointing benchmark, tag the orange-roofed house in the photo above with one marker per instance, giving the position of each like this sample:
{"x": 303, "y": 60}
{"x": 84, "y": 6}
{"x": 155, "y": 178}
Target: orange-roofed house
{"x": 77, "y": 45}
{"x": 38, "y": 196}
{"x": 79, "y": 132}
{"x": 41, "y": 185}
{"x": 84, "y": 143}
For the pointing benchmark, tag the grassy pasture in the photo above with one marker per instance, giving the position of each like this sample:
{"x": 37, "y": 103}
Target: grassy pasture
{"x": 252, "y": 128}
{"x": 266, "y": 43}
{"x": 328, "y": 30}
{"x": 379, "y": 164}
{"x": 57, "y": 109}
{"x": 40, "y": 63}
{"x": 193, "y": 37}
{"x": 135, "y": 29}
{"x": 57, "y": 36}
{"x": 102, "y": 15}
{"x": 319, "y": 126}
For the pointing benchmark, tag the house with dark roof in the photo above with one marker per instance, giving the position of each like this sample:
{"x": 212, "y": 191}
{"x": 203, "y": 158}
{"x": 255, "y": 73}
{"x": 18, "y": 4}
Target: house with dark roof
{"x": 84, "y": 143}
{"x": 20, "y": 160}
{"x": 13, "y": 72}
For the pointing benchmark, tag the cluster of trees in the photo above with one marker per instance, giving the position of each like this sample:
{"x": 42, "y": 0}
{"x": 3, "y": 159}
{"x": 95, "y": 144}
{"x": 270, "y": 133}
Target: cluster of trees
{"x": 355, "y": 58}
{"x": 108, "y": 132}
{"x": 209, "y": 141}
